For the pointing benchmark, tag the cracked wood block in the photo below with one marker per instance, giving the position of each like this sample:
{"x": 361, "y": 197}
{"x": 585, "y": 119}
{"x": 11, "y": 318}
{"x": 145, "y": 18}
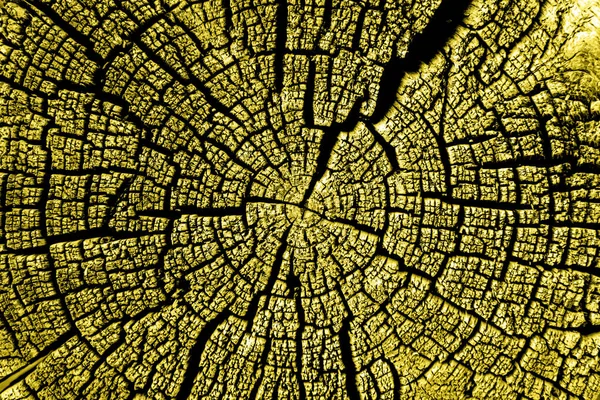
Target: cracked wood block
{"x": 325, "y": 199}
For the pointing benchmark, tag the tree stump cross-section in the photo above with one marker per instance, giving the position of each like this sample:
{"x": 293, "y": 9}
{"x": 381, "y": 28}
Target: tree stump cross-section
{"x": 305, "y": 199}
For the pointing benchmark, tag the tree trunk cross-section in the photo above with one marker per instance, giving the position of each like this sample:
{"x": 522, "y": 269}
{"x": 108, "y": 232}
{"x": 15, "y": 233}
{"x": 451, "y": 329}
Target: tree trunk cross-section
{"x": 305, "y": 199}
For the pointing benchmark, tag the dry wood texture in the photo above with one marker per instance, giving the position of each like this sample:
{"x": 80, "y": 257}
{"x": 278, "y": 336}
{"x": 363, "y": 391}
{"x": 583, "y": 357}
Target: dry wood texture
{"x": 328, "y": 199}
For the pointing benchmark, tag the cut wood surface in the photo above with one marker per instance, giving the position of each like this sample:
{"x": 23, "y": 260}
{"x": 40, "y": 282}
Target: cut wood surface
{"x": 306, "y": 199}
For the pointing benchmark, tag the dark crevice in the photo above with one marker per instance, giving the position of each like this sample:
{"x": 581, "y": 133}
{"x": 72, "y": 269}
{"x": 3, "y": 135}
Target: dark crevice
{"x": 359, "y": 28}
{"x": 123, "y": 48}
{"x": 93, "y": 233}
{"x": 395, "y": 378}
{"x": 328, "y": 141}
{"x": 197, "y": 350}
{"x": 192, "y": 210}
{"x": 262, "y": 363}
{"x": 229, "y": 152}
{"x": 250, "y": 315}
{"x": 191, "y": 370}
{"x": 479, "y": 203}
{"x": 22, "y": 372}
{"x": 282, "y": 22}
{"x": 390, "y": 151}
{"x": 327, "y": 14}
{"x": 326, "y": 146}
{"x": 302, "y": 324}
{"x": 439, "y": 30}
{"x": 348, "y": 360}
{"x": 346, "y": 347}
{"x": 293, "y": 281}
{"x": 354, "y": 224}
{"x": 254, "y": 303}
{"x": 101, "y": 360}
{"x": 113, "y": 202}
{"x": 294, "y": 285}
{"x": 309, "y": 94}
{"x": 71, "y": 32}
{"x": 390, "y": 80}
{"x": 423, "y": 47}
{"x": 442, "y": 145}
{"x": 276, "y": 389}
{"x": 226, "y": 5}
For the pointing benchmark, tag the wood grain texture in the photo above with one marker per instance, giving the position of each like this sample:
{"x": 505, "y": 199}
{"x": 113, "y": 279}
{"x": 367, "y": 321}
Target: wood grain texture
{"x": 328, "y": 199}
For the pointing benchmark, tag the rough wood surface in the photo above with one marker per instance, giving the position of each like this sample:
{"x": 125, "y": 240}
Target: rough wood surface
{"x": 329, "y": 199}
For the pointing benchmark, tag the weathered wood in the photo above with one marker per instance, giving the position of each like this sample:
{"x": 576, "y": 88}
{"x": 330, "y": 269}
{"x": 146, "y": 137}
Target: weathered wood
{"x": 308, "y": 199}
